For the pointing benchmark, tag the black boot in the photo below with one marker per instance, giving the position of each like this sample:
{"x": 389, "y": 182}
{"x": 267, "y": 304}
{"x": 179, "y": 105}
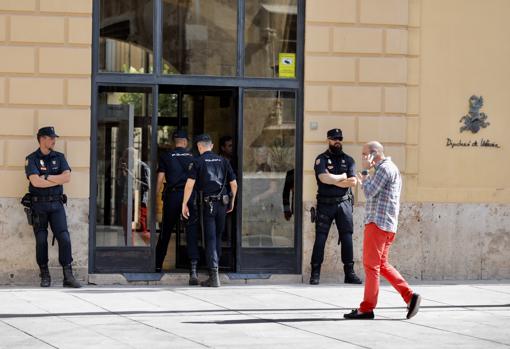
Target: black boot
{"x": 69, "y": 280}
{"x": 350, "y": 275}
{"x": 214, "y": 279}
{"x": 45, "y": 276}
{"x": 193, "y": 276}
{"x": 315, "y": 275}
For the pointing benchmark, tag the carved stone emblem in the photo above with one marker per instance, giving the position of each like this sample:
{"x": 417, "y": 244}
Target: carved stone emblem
{"x": 474, "y": 120}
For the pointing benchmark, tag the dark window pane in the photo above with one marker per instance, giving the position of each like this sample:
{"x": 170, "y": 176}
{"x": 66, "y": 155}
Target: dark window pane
{"x": 200, "y": 37}
{"x": 270, "y": 38}
{"x": 123, "y": 167}
{"x": 125, "y": 43}
{"x": 268, "y": 163}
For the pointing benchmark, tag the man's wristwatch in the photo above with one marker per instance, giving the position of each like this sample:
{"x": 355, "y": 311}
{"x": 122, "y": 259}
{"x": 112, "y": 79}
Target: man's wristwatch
{"x": 364, "y": 172}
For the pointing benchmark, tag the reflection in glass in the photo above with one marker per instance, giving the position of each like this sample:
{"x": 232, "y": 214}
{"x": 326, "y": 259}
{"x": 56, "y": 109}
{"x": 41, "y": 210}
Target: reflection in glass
{"x": 200, "y": 37}
{"x": 268, "y": 155}
{"x": 125, "y": 44}
{"x": 123, "y": 167}
{"x": 270, "y": 30}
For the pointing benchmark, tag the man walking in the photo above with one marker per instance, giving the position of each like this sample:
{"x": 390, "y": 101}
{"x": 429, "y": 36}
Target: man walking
{"x": 173, "y": 167}
{"x": 211, "y": 173}
{"x": 382, "y": 191}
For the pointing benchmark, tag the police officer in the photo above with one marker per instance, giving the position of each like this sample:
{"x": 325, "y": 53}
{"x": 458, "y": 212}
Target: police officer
{"x": 335, "y": 175}
{"x": 211, "y": 174}
{"x": 47, "y": 170}
{"x": 173, "y": 167}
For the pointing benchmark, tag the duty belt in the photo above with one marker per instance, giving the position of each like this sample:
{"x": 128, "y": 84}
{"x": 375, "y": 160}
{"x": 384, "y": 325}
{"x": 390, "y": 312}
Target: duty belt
{"x": 47, "y": 198}
{"x": 332, "y": 200}
{"x": 212, "y": 198}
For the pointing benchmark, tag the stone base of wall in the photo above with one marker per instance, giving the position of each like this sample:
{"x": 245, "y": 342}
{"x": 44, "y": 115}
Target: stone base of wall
{"x": 434, "y": 242}
{"x": 17, "y": 258}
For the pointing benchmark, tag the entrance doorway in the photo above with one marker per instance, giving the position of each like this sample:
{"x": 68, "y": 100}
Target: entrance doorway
{"x": 128, "y": 211}
{"x": 199, "y": 110}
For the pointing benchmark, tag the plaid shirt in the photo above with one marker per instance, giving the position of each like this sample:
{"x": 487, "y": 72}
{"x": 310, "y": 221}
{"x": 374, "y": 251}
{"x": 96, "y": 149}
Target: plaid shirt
{"x": 382, "y": 191}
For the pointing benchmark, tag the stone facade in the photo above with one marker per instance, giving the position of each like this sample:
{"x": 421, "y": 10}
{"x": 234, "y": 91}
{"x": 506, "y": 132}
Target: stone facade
{"x": 391, "y": 70}
{"x": 385, "y": 70}
{"x": 446, "y": 241}
{"x": 45, "y": 47}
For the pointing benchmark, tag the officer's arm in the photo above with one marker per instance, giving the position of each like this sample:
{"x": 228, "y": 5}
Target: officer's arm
{"x": 347, "y": 183}
{"x": 63, "y": 178}
{"x": 329, "y": 178}
{"x": 233, "y": 189}
{"x": 40, "y": 182}
{"x": 188, "y": 189}
{"x": 159, "y": 184}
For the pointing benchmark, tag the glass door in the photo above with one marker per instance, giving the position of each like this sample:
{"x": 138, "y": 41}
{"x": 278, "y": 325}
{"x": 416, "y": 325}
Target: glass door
{"x": 124, "y": 176}
{"x": 268, "y": 234}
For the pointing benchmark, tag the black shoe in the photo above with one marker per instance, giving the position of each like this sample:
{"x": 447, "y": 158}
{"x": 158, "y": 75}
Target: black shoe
{"x": 350, "y": 275}
{"x": 69, "y": 280}
{"x": 45, "y": 276}
{"x": 354, "y": 315}
{"x": 414, "y": 305}
{"x": 315, "y": 275}
{"x": 193, "y": 276}
{"x": 213, "y": 280}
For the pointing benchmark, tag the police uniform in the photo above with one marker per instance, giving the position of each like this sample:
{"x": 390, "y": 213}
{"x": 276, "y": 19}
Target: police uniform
{"x": 175, "y": 165}
{"x": 334, "y": 203}
{"x": 212, "y": 174}
{"x": 48, "y": 207}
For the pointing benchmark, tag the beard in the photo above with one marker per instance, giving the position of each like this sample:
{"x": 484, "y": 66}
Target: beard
{"x": 336, "y": 149}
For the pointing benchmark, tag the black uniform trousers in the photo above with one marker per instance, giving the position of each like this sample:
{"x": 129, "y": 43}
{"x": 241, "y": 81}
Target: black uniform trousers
{"x": 214, "y": 223}
{"x": 193, "y": 229}
{"x": 172, "y": 205}
{"x": 51, "y": 212}
{"x": 342, "y": 214}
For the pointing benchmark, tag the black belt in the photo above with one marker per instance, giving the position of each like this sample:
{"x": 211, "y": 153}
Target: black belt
{"x": 212, "y": 198}
{"x": 332, "y": 200}
{"x": 47, "y": 198}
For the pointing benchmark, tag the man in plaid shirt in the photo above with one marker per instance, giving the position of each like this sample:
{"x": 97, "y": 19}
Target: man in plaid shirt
{"x": 382, "y": 190}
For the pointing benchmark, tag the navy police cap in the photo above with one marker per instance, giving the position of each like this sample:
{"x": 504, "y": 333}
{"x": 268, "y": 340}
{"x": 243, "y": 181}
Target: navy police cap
{"x": 179, "y": 134}
{"x": 335, "y": 133}
{"x": 47, "y": 131}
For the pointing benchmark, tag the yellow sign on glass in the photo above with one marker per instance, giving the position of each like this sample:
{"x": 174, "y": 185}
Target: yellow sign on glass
{"x": 287, "y": 65}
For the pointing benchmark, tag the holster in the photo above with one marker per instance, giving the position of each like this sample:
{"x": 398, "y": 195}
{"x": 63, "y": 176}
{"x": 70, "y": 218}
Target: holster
{"x": 29, "y": 214}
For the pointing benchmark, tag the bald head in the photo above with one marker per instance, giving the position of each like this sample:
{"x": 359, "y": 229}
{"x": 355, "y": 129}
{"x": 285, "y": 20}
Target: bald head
{"x": 373, "y": 151}
{"x": 375, "y": 146}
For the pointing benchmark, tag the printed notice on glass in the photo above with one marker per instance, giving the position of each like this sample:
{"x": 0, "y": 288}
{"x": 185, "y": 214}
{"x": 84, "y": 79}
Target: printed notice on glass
{"x": 287, "y": 65}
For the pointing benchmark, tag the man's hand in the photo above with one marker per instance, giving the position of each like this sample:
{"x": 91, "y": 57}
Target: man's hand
{"x": 231, "y": 207}
{"x": 185, "y": 211}
{"x": 361, "y": 178}
{"x": 287, "y": 215}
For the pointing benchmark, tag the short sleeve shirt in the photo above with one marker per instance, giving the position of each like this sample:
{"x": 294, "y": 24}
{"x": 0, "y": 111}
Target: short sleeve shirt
{"x": 334, "y": 164}
{"x": 175, "y": 165}
{"x": 39, "y": 164}
{"x": 212, "y": 173}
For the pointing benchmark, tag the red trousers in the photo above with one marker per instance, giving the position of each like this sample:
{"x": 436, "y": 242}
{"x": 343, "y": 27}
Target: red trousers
{"x": 376, "y": 248}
